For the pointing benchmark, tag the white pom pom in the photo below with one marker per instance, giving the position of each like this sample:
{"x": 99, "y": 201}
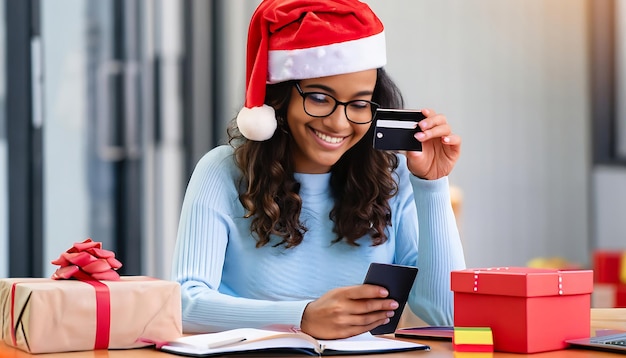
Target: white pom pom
{"x": 258, "y": 123}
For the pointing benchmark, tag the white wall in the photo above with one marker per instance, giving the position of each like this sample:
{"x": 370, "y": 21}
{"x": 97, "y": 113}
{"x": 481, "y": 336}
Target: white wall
{"x": 609, "y": 210}
{"x": 66, "y": 196}
{"x": 511, "y": 76}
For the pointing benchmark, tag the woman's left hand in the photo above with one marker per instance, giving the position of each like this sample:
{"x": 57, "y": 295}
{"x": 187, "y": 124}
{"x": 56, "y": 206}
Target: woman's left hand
{"x": 440, "y": 148}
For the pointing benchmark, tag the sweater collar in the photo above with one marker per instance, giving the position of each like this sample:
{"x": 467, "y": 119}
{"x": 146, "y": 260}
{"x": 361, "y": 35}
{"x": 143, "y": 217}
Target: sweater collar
{"x": 313, "y": 184}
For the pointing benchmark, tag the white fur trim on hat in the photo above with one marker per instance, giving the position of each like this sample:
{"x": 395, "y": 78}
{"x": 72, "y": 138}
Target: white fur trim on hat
{"x": 257, "y": 123}
{"x": 334, "y": 59}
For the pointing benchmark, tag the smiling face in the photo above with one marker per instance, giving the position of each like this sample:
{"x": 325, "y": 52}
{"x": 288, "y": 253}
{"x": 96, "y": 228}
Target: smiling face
{"x": 321, "y": 141}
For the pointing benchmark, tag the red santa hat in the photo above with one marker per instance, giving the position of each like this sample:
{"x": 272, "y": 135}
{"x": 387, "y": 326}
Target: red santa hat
{"x": 300, "y": 39}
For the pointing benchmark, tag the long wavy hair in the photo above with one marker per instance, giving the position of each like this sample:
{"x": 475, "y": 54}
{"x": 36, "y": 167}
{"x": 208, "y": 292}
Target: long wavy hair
{"x": 361, "y": 181}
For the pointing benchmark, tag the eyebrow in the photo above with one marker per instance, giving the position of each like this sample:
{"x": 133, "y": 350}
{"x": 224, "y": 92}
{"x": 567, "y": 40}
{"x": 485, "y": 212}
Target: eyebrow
{"x": 332, "y": 91}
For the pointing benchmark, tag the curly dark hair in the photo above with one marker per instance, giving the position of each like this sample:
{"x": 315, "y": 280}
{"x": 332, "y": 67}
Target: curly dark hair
{"x": 361, "y": 181}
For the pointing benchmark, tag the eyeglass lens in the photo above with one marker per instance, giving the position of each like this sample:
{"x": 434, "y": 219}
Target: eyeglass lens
{"x": 319, "y": 104}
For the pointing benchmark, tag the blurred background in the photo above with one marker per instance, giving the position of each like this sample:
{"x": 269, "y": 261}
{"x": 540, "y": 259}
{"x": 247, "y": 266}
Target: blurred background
{"x": 106, "y": 105}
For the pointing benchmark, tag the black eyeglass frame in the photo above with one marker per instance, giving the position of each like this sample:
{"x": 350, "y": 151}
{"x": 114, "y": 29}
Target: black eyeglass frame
{"x": 304, "y": 95}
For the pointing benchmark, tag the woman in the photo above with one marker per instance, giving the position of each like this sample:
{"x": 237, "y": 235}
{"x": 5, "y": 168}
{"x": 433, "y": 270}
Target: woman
{"x": 278, "y": 229}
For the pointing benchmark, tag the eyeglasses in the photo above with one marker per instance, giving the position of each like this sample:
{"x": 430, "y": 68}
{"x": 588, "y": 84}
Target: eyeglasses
{"x": 318, "y": 104}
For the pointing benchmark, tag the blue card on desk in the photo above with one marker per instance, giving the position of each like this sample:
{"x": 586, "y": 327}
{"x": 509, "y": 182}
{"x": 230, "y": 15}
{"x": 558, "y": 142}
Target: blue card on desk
{"x": 398, "y": 280}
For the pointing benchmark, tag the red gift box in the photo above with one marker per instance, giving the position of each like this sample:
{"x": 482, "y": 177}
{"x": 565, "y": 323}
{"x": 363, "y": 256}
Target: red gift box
{"x": 620, "y": 296}
{"x": 607, "y": 266}
{"x": 608, "y": 295}
{"x": 604, "y": 295}
{"x": 529, "y": 310}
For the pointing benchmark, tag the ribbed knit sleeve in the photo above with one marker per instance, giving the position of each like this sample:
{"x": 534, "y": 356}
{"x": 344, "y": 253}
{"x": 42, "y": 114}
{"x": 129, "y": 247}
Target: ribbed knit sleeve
{"x": 440, "y": 251}
{"x": 205, "y": 228}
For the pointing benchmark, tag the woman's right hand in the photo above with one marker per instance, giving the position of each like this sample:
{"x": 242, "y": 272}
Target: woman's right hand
{"x": 347, "y": 311}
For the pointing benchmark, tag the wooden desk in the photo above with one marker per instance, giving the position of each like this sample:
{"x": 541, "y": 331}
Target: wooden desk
{"x": 600, "y": 318}
{"x": 439, "y": 349}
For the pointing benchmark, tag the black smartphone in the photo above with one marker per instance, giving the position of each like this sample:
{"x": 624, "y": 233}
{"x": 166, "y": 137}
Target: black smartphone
{"x": 398, "y": 280}
{"x": 394, "y": 129}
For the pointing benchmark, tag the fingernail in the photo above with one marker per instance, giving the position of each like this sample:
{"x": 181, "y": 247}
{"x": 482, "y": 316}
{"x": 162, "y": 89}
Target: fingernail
{"x": 446, "y": 139}
{"x": 420, "y": 135}
{"x": 387, "y": 320}
{"x": 394, "y": 305}
{"x": 390, "y": 313}
{"x": 384, "y": 292}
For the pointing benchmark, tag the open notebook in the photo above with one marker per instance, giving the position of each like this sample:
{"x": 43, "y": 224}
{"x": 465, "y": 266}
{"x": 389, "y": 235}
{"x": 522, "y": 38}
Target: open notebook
{"x": 250, "y": 340}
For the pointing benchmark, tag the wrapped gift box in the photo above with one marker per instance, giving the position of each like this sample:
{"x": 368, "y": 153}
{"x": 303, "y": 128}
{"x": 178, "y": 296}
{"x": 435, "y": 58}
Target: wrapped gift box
{"x": 608, "y": 295}
{"x": 604, "y": 295}
{"x": 529, "y": 310}
{"x": 620, "y": 296}
{"x": 44, "y": 315}
{"x": 607, "y": 266}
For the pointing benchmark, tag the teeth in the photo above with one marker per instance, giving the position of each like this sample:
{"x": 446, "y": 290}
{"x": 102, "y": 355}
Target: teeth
{"x": 327, "y": 138}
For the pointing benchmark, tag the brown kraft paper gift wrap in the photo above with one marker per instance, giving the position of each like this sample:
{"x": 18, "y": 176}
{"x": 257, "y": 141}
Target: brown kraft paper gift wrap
{"x": 100, "y": 310}
{"x": 60, "y": 316}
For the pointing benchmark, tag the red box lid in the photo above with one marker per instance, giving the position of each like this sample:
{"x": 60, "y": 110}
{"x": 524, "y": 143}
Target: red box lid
{"x": 522, "y": 281}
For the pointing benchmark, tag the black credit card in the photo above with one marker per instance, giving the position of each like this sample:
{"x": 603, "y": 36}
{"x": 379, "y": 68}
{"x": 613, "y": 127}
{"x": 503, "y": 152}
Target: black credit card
{"x": 394, "y": 129}
{"x": 398, "y": 280}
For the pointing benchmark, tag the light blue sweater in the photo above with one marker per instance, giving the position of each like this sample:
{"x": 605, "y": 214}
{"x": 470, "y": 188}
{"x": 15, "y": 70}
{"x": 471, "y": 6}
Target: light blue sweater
{"x": 228, "y": 283}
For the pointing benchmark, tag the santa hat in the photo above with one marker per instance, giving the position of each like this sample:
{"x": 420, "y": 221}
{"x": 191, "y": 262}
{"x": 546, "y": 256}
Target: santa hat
{"x": 300, "y": 39}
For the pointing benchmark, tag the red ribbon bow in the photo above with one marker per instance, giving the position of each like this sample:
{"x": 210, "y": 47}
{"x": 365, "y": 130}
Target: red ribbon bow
{"x": 87, "y": 260}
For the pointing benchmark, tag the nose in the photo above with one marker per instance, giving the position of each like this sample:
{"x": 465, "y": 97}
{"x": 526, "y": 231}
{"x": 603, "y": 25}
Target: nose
{"x": 338, "y": 119}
